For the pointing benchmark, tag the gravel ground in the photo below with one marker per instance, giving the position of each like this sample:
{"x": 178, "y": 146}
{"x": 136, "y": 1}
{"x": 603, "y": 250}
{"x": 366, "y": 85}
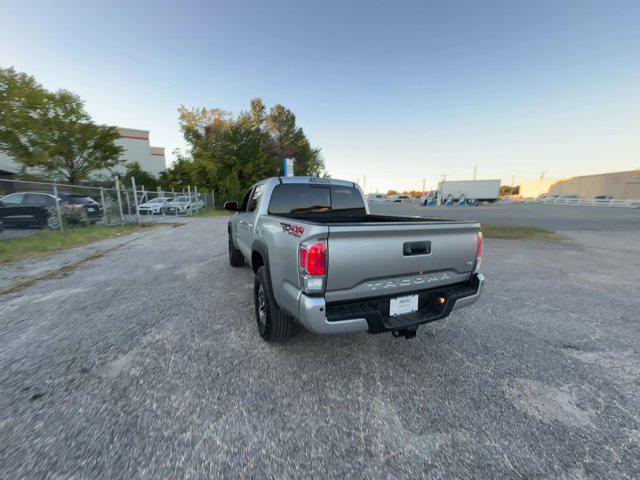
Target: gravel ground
{"x": 32, "y": 268}
{"x": 146, "y": 363}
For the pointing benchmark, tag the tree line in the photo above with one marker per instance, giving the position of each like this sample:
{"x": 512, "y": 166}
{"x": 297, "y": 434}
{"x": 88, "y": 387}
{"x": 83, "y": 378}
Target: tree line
{"x": 229, "y": 153}
{"x": 52, "y": 137}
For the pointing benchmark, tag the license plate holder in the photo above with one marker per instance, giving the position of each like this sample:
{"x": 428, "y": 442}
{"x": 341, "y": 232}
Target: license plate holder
{"x": 403, "y": 305}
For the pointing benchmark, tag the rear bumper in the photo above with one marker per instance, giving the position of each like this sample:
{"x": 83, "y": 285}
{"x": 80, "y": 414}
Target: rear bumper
{"x": 370, "y": 315}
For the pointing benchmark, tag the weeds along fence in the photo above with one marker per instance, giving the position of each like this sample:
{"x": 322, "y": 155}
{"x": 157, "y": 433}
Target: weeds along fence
{"x": 121, "y": 203}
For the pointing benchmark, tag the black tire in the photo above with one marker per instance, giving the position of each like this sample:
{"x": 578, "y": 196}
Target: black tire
{"x": 274, "y": 325}
{"x": 235, "y": 256}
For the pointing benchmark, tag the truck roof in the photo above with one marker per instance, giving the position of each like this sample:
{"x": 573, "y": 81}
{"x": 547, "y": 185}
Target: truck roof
{"x": 315, "y": 180}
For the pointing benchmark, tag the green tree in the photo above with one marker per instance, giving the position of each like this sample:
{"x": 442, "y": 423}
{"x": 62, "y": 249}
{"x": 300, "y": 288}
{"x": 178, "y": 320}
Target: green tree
{"x": 50, "y": 133}
{"x": 230, "y": 153}
{"x": 142, "y": 178}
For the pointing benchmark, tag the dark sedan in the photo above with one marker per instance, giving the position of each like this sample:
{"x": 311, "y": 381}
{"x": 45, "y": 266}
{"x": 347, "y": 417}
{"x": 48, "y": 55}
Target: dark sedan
{"x": 37, "y": 209}
{"x": 15, "y": 213}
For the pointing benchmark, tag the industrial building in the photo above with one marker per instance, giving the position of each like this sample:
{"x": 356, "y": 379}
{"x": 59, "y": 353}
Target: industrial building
{"x": 619, "y": 185}
{"x": 136, "y": 149}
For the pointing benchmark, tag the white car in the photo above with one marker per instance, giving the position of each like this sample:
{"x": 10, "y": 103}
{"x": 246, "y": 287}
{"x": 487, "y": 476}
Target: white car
{"x": 154, "y": 205}
{"x": 183, "y": 204}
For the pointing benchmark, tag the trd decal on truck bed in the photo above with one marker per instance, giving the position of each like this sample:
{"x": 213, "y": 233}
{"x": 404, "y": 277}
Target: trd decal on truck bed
{"x": 295, "y": 230}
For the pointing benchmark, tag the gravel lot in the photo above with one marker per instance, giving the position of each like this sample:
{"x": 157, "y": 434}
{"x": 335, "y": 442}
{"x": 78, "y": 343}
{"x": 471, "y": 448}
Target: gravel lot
{"x": 145, "y": 363}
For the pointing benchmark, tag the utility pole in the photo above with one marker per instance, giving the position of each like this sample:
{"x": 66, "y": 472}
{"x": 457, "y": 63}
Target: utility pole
{"x": 475, "y": 171}
{"x": 364, "y": 183}
{"x": 423, "y": 185}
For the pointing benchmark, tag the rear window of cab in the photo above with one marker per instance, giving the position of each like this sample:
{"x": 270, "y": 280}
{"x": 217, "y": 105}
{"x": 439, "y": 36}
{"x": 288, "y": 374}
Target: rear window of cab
{"x": 305, "y": 199}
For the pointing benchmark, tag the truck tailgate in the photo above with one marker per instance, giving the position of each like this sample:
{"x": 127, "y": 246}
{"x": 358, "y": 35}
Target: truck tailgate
{"x": 369, "y": 260}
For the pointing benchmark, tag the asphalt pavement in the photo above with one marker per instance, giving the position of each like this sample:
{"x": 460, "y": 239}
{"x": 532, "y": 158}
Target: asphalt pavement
{"x": 562, "y": 218}
{"x": 146, "y": 363}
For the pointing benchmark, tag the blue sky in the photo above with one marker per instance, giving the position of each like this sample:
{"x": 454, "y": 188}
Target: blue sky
{"x": 398, "y": 91}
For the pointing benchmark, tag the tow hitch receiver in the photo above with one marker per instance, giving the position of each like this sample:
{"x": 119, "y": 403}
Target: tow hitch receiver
{"x": 406, "y": 333}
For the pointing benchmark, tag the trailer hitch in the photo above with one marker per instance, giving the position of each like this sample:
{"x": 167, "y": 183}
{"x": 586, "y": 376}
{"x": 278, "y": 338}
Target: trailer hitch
{"x": 406, "y": 333}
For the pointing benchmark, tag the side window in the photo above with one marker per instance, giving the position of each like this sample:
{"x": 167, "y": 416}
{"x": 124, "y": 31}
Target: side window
{"x": 35, "y": 199}
{"x": 245, "y": 201}
{"x": 13, "y": 199}
{"x": 256, "y": 197}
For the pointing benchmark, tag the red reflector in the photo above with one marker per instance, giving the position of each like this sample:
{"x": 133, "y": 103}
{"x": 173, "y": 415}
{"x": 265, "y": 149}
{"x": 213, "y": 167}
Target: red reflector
{"x": 479, "y": 254}
{"x": 313, "y": 258}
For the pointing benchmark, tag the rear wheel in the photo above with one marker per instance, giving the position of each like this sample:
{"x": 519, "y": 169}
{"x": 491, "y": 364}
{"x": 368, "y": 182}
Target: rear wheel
{"x": 53, "y": 223}
{"x": 235, "y": 256}
{"x": 274, "y": 325}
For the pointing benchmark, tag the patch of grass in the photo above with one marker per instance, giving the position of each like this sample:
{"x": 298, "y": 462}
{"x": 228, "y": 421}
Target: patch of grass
{"x": 60, "y": 272}
{"x": 49, "y": 242}
{"x": 516, "y": 232}
{"x": 208, "y": 213}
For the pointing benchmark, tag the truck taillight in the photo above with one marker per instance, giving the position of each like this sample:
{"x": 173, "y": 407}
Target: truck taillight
{"x": 313, "y": 266}
{"x": 313, "y": 258}
{"x": 479, "y": 240}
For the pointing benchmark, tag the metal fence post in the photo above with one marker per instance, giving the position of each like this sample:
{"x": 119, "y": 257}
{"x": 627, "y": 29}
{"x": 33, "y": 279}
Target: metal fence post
{"x": 126, "y": 193}
{"x": 135, "y": 198}
{"x": 213, "y": 199}
{"x": 196, "y": 195}
{"x": 119, "y": 201}
{"x": 191, "y": 206}
{"x": 104, "y": 207}
{"x": 58, "y": 212}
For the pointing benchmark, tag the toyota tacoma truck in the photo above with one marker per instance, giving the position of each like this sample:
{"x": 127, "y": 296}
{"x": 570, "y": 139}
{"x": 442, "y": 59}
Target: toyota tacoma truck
{"x": 322, "y": 259}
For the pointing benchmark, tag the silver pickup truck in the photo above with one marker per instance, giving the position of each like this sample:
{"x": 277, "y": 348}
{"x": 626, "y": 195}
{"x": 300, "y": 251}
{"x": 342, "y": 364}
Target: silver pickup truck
{"x": 320, "y": 258}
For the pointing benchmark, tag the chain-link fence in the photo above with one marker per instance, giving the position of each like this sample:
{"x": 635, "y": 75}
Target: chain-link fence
{"x": 57, "y": 205}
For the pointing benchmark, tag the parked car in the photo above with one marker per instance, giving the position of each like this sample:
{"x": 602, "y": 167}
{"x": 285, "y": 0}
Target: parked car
{"x": 16, "y": 213}
{"x": 155, "y": 205}
{"x": 321, "y": 259}
{"x": 377, "y": 198}
{"x": 92, "y": 207}
{"x": 401, "y": 199}
{"x": 184, "y": 204}
{"x": 603, "y": 197}
{"x": 38, "y": 208}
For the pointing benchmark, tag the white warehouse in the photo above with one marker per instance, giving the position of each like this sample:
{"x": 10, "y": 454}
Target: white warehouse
{"x": 136, "y": 149}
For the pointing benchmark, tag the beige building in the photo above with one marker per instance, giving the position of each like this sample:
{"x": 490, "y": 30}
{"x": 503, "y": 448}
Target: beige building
{"x": 619, "y": 185}
{"x": 136, "y": 149}
{"x": 535, "y": 188}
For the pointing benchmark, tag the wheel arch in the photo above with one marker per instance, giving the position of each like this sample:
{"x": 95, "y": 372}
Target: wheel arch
{"x": 260, "y": 257}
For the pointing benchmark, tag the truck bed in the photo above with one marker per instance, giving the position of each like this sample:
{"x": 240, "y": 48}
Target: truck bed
{"x": 328, "y": 219}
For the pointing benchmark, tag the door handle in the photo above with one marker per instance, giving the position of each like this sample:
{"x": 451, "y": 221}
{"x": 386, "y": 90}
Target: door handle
{"x": 416, "y": 248}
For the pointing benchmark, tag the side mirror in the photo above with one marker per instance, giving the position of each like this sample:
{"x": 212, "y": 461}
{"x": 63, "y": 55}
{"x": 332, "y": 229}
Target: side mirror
{"x": 231, "y": 206}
